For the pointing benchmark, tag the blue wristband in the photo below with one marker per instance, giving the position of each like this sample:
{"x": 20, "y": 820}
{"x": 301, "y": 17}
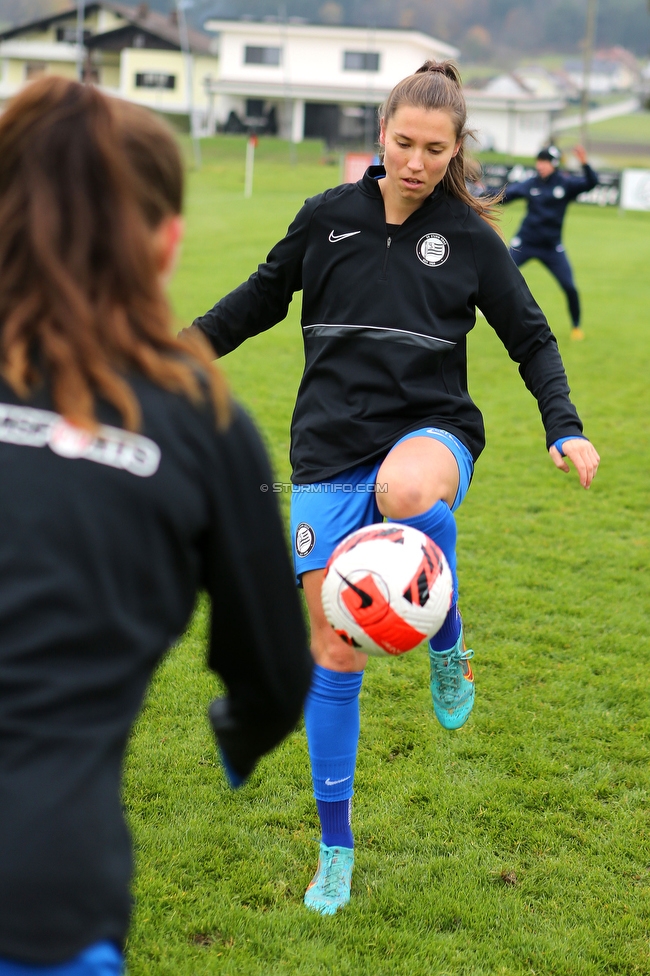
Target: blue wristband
{"x": 561, "y": 441}
{"x": 233, "y": 777}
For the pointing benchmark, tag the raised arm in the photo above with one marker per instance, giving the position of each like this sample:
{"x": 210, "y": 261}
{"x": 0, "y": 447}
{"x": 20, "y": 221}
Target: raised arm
{"x": 587, "y": 181}
{"x": 258, "y": 642}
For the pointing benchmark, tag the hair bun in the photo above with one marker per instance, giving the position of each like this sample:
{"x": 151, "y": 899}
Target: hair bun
{"x": 447, "y": 68}
{"x": 432, "y": 66}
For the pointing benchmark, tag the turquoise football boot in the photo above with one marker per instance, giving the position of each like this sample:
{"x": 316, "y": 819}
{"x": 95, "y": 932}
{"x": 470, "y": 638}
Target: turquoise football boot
{"x": 452, "y": 684}
{"x": 329, "y": 889}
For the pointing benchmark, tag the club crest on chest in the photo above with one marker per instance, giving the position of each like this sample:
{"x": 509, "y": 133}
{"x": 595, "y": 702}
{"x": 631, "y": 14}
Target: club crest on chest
{"x": 432, "y": 250}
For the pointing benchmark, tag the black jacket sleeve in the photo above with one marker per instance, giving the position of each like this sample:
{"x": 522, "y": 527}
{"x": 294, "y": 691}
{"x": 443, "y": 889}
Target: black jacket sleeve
{"x": 258, "y": 643}
{"x": 515, "y": 191}
{"x": 582, "y": 184}
{"x": 263, "y": 300}
{"x": 506, "y": 301}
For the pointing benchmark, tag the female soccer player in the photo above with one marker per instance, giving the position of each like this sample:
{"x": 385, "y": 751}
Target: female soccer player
{"x": 128, "y": 482}
{"x": 392, "y": 270}
{"x": 540, "y": 236}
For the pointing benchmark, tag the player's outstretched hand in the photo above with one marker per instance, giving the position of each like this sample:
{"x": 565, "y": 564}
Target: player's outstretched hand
{"x": 584, "y": 456}
{"x": 581, "y": 153}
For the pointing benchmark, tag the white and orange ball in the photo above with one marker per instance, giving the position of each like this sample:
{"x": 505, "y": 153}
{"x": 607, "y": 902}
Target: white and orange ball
{"x": 387, "y": 587}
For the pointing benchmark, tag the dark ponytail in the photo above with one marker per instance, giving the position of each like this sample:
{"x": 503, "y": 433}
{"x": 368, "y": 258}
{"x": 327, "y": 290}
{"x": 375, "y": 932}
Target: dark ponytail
{"x": 437, "y": 85}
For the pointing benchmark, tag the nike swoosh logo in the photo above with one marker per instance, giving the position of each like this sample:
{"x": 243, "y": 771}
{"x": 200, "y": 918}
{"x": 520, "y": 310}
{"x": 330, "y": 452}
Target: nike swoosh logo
{"x": 366, "y": 599}
{"x": 333, "y": 782}
{"x": 333, "y": 238}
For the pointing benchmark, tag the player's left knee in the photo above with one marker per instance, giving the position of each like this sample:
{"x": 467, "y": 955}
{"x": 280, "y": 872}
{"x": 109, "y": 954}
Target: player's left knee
{"x": 402, "y": 500}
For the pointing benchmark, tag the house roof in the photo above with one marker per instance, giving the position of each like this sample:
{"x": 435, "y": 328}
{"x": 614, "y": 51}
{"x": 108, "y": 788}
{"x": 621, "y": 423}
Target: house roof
{"x": 295, "y": 27}
{"x": 150, "y": 21}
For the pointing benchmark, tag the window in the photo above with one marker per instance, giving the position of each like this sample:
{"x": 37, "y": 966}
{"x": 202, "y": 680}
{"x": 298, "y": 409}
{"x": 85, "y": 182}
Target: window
{"x": 69, "y": 35}
{"x": 360, "y": 61}
{"x": 155, "y": 79}
{"x": 322, "y": 122}
{"x": 254, "y": 108}
{"x": 262, "y": 55}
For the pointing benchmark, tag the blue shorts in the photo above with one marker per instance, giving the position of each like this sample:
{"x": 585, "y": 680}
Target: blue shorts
{"x": 100, "y": 959}
{"x": 323, "y": 514}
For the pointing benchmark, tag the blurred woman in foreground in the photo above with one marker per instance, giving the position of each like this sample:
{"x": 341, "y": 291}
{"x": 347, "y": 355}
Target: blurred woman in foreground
{"x": 129, "y": 482}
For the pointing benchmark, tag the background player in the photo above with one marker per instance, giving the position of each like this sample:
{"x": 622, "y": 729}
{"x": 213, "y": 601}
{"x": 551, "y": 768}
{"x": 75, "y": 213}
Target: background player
{"x": 392, "y": 269}
{"x": 540, "y": 236}
{"x": 129, "y": 481}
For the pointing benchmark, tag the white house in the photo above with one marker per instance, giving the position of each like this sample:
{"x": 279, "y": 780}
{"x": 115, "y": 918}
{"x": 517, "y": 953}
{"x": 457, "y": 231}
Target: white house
{"x": 307, "y": 80}
{"x": 508, "y": 116}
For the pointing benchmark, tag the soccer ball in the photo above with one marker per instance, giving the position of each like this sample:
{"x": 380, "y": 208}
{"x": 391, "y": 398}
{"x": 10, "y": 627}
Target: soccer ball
{"x": 386, "y": 588}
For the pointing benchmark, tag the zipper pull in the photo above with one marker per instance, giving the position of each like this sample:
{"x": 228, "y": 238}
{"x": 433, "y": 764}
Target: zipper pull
{"x": 388, "y": 240}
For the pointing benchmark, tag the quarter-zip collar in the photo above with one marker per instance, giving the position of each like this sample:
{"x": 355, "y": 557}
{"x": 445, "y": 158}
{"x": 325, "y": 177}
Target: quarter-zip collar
{"x": 369, "y": 185}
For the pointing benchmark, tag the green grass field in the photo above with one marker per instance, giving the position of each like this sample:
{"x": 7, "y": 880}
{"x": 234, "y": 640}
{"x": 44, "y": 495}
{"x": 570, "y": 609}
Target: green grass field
{"x": 519, "y": 844}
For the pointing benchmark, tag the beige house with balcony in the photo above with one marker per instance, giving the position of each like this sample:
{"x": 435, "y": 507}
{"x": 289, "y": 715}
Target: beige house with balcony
{"x": 131, "y": 52}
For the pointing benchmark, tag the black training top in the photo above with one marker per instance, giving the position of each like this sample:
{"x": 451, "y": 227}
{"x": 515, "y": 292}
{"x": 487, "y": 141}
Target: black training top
{"x": 385, "y": 318}
{"x": 104, "y": 543}
{"x": 547, "y": 202}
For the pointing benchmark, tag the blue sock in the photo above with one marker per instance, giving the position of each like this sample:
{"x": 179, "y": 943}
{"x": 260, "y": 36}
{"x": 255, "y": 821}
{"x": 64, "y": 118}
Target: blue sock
{"x": 449, "y": 632}
{"x": 336, "y": 822}
{"x": 440, "y": 525}
{"x": 332, "y": 724}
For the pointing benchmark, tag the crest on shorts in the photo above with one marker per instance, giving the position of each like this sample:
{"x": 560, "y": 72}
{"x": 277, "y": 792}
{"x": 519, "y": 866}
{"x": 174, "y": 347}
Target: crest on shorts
{"x": 305, "y": 539}
{"x": 432, "y": 250}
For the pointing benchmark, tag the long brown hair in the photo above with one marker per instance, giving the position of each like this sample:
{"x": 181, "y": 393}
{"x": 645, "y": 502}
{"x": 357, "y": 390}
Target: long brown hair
{"x": 84, "y": 182}
{"x": 437, "y": 85}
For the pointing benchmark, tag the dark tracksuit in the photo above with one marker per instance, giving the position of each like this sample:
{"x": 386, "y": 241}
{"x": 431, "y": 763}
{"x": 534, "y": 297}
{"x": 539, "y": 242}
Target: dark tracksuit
{"x": 540, "y": 234}
{"x": 103, "y": 546}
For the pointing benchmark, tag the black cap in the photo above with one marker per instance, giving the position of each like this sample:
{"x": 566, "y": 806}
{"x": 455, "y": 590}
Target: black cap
{"x": 551, "y": 154}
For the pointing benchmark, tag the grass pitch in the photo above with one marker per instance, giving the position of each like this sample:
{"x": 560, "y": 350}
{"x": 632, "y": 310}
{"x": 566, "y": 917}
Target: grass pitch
{"x": 519, "y": 844}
